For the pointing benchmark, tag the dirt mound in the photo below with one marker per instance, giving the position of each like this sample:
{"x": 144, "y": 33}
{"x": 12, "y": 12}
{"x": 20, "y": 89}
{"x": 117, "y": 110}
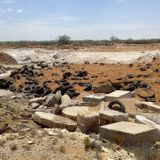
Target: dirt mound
{"x": 5, "y": 58}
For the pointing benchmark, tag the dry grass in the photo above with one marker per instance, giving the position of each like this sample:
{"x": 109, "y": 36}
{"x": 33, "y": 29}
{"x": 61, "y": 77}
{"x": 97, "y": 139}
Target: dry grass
{"x": 13, "y": 147}
{"x": 62, "y": 149}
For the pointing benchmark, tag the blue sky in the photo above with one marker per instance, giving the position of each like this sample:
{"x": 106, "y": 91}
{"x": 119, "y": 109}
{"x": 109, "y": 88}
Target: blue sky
{"x": 81, "y": 19}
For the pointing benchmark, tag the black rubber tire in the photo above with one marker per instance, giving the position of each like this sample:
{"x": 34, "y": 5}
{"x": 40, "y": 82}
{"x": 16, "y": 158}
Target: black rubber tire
{"x": 120, "y": 104}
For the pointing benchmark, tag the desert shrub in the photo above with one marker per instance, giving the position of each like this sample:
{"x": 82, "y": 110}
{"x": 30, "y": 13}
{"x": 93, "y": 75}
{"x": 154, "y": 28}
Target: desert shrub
{"x": 98, "y": 155}
{"x": 13, "y": 147}
{"x": 62, "y": 149}
{"x": 148, "y": 153}
{"x": 87, "y": 143}
{"x": 63, "y": 40}
{"x": 45, "y": 157}
{"x": 26, "y": 147}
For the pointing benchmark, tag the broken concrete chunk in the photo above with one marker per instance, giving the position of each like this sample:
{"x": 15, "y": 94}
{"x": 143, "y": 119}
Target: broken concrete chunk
{"x": 129, "y": 133}
{"x": 37, "y": 100}
{"x": 88, "y": 122}
{"x": 111, "y": 116}
{"x": 149, "y": 106}
{"x": 118, "y": 95}
{"x": 5, "y": 75}
{"x": 103, "y": 88}
{"x": 96, "y": 99}
{"x": 144, "y": 120}
{"x": 5, "y": 93}
{"x": 66, "y": 100}
{"x": 34, "y": 105}
{"x": 155, "y": 117}
{"x": 54, "y": 121}
{"x": 72, "y": 112}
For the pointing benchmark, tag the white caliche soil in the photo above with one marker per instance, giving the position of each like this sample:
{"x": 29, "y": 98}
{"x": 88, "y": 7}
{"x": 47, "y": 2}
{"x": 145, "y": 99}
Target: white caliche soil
{"x": 54, "y": 144}
{"x": 28, "y": 55}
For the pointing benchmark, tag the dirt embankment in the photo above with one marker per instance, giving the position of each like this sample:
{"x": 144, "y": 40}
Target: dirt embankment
{"x": 87, "y": 47}
{"x": 5, "y": 58}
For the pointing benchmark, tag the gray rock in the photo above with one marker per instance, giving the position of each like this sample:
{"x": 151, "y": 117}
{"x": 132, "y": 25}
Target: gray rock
{"x": 53, "y": 99}
{"x": 50, "y": 100}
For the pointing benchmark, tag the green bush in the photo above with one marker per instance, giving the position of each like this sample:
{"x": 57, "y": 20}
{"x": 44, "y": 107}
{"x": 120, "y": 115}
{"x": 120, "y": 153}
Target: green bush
{"x": 64, "y": 39}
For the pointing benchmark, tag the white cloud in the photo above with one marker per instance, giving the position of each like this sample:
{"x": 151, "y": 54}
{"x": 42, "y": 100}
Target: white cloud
{"x": 10, "y": 10}
{"x": 26, "y": 31}
{"x": 7, "y": 1}
{"x": 59, "y": 24}
{"x": 19, "y": 10}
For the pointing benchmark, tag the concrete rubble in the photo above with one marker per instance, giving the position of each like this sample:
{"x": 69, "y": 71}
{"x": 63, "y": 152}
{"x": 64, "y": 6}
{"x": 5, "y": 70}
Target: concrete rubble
{"x": 5, "y": 93}
{"x": 88, "y": 122}
{"x": 149, "y": 106}
{"x": 129, "y": 133}
{"x": 119, "y": 94}
{"x": 73, "y": 111}
{"x": 103, "y": 88}
{"x": 94, "y": 99}
{"x": 144, "y": 120}
{"x": 52, "y": 120}
{"x": 111, "y": 116}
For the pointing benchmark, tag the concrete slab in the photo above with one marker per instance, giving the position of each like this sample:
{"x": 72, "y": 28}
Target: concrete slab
{"x": 94, "y": 98}
{"x": 129, "y": 133}
{"x": 144, "y": 120}
{"x": 54, "y": 121}
{"x": 72, "y": 112}
{"x": 118, "y": 94}
{"x": 12, "y": 67}
{"x": 88, "y": 122}
{"x": 111, "y": 116}
{"x": 148, "y": 106}
{"x": 155, "y": 117}
{"x": 129, "y": 104}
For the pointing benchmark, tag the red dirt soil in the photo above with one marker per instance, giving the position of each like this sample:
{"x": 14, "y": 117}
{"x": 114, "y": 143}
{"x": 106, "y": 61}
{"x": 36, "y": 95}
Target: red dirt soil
{"x": 5, "y": 58}
{"x": 102, "y": 73}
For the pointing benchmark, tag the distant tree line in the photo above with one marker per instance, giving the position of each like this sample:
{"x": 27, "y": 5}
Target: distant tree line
{"x": 64, "y": 40}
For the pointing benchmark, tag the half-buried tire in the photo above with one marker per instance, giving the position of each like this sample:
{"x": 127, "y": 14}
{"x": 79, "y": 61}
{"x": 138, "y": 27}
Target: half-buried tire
{"x": 117, "y": 105}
